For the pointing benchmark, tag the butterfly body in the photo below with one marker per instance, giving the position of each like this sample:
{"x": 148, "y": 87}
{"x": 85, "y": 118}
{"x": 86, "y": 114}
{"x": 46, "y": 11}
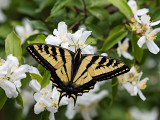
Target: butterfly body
{"x": 74, "y": 73}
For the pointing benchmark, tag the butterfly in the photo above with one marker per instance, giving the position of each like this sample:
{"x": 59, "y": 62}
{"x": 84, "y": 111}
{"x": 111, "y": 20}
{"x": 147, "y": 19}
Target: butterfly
{"x": 75, "y": 73}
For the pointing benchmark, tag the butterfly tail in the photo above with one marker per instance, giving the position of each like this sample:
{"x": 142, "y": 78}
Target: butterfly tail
{"x": 62, "y": 94}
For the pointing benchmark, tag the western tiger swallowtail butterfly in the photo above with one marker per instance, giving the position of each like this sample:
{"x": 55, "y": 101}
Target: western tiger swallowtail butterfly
{"x": 74, "y": 73}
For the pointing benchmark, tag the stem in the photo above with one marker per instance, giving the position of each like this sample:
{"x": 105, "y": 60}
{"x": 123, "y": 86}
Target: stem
{"x": 109, "y": 53}
{"x": 72, "y": 26}
{"x": 149, "y": 3}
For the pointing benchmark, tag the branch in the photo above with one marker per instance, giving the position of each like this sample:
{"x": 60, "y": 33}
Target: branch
{"x": 85, "y": 9}
{"x": 72, "y": 26}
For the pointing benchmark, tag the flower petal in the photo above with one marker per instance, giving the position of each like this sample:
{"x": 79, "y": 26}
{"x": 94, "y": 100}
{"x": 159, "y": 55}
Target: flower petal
{"x": 38, "y": 108}
{"x": 51, "y": 116}
{"x": 84, "y": 36}
{"x": 34, "y": 84}
{"x": 141, "y": 95}
{"x": 76, "y": 36}
{"x": 145, "y": 19}
{"x": 86, "y": 115}
{"x": 156, "y": 30}
{"x": 133, "y": 5}
{"x": 141, "y": 41}
{"x": 104, "y": 54}
{"x": 155, "y": 23}
{"x": 127, "y": 55}
{"x": 70, "y": 113}
{"x": 62, "y": 28}
{"x": 27, "y": 26}
{"x": 53, "y": 40}
{"x": 118, "y": 49}
{"x": 9, "y": 89}
{"x": 70, "y": 40}
{"x": 2, "y": 17}
{"x": 153, "y": 48}
{"x": 129, "y": 87}
{"x": 88, "y": 49}
{"x": 141, "y": 12}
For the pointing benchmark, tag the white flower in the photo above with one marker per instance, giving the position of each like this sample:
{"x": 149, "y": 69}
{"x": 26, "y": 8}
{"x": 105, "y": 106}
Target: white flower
{"x": 145, "y": 20}
{"x": 104, "y": 54}
{"x": 148, "y": 38}
{"x": 59, "y": 35}
{"x": 136, "y": 12}
{"x": 132, "y": 83}
{"x": 143, "y": 115}
{"x": 123, "y": 48}
{"x": 46, "y": 98}
{"x": 144, "y": 28}
{"x": 77, "y": 40}
{"x": 4, "y": 4}
{"x": 11, "y": 75}
{"x": 25, "y": 31}
{"x": 86, "y": 104}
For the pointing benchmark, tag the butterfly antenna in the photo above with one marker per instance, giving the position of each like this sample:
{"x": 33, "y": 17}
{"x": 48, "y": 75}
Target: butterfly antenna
{"x": 74, "y": 43}
{"x": 86, "y": 45}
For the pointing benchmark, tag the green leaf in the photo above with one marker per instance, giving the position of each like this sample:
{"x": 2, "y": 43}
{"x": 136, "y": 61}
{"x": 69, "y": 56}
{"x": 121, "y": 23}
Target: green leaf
{"x": 19, "y": 99}
{"x": 96, "y": 31}
{"x": 4, "y": 30}
{"x": 114, "y": 37}
{"x": 137, "y": 51}
{"x": 115, "y": 29}
{"x": 91, "y": 41}
{"x": 100, "y": 13}
{"x": 13, "y": 45}
{"x": 98, "y": 3}
{"x": 37, "y": 24}
{"x": 3, "y": 98}
{"x": 58, "y": 5}
{"x": 46, "y": 79}
{"x": 38, "y": 39}
{"x": 123, "y": 7}
{"x": 114, "y": 88}
{"x": 37, "y": 77}
{"x": 26, "y": 7}
{"x": 43, "y": 4}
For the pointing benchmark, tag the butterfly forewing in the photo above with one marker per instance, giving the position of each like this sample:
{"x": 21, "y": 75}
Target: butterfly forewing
{"x": 54, "y": 59}
{"x": 98, "y": 68}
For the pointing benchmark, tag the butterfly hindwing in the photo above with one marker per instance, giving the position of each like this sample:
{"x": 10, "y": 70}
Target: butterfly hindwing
{"x": 54, "y": 59}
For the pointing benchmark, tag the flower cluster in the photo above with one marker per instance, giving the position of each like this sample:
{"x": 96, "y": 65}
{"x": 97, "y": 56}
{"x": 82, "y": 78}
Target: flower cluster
{"x": 70, "y": 41}
{"x": 142, "y": 26}
{"x": 11, "y": 75}
{"x": 46, "y": 98}
{"x": 132, "y": 83}
{"x": 25, "y": 31}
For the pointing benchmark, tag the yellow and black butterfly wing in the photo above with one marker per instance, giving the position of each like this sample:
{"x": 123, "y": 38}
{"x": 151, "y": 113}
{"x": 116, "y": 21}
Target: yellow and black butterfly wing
{"x": 97, "y": 68}
{"x": 55, "y": 59}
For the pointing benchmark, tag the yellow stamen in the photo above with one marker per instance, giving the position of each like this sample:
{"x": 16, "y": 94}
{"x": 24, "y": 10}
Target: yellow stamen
{"x": 42, "y": 104}
{"x": 151, "y": 36}
{"x": 124, "y": 47}
{"x": 143, "y": 85}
